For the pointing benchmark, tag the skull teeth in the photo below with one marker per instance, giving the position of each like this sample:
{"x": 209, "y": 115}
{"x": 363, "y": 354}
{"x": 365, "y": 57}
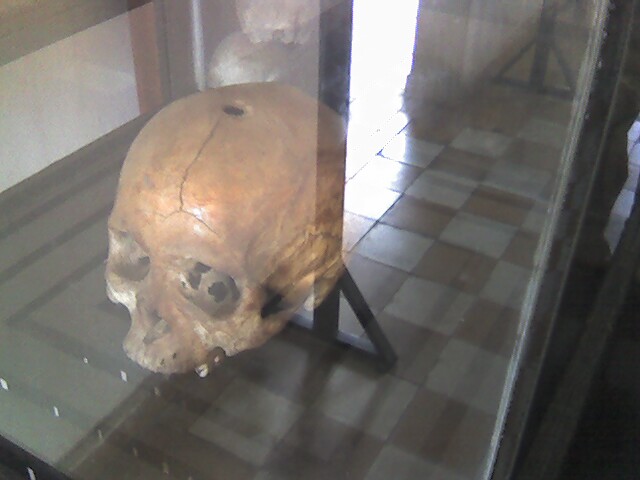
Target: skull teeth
{"x": 235, "y": 252}
{"x": 216, "y": 356}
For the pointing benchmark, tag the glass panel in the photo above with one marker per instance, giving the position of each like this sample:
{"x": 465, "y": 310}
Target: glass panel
{"x": 235, "y": 208}
{"x": 85, "y": 83}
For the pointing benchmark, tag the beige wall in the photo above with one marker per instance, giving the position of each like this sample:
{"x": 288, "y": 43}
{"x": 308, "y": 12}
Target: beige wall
{"x": 58, "y": 99}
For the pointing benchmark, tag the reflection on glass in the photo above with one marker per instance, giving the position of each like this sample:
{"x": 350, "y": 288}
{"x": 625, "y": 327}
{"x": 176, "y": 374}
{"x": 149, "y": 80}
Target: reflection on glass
{"x": 210, "y": 252}
{"x": 454, "y": 148}
{"x": 625, "y": 199}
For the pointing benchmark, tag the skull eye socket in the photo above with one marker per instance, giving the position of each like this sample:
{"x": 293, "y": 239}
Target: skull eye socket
{"x": 213, "y": 292}
{"x": 218, "y": 290}
{"x": 194, "y": 280}
{"x": 201, "y": 268}
{"x": 129, "y": 260}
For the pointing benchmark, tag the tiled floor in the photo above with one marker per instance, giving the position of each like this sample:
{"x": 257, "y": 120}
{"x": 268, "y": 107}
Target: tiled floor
{"x": 464, "y": 203}
{"x": 444, "y": 208}
{"x": 465, "y": 257}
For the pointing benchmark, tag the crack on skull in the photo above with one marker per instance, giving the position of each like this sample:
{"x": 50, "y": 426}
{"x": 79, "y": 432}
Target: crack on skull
{"x": 237, "y": 111}
{"x": 199, "y": 220}
{"x": 273, "y": 271}
{"x": 185, "y": 176}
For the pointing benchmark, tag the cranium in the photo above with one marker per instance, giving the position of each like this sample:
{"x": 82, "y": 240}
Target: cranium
{"x": 237, "y": 60}
{"x": 286, "y": 21}
{"x": 226, "y": 220}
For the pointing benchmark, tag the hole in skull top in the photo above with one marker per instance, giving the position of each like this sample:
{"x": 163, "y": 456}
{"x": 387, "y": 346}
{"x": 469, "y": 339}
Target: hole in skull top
{"x": 233, "y": 110}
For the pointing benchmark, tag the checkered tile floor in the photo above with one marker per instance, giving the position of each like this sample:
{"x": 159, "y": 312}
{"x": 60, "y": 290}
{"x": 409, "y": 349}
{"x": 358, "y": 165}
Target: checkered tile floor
{"x": 443, "y": 215}
{"x": 442, "y": 239}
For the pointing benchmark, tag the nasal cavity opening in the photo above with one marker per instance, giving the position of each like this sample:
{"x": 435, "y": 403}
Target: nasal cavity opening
{"x": 233, "y": 110}
{"x": 159, "y": 327}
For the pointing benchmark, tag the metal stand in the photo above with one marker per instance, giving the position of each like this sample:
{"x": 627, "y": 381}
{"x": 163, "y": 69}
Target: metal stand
{"x": 543, "y": 45}
{"x": 326, "y": 324}
{"x": 336, "y": 26}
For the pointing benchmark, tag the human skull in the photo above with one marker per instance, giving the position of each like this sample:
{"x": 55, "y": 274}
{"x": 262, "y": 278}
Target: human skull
{"x": 226, "y": 220}
{"x": 286, "y": 21}
{"x": 238, "y": 60}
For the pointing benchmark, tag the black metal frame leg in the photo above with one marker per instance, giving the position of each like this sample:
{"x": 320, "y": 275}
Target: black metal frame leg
{"x": 543, "y": 45}
{"x": 326, "y": 324}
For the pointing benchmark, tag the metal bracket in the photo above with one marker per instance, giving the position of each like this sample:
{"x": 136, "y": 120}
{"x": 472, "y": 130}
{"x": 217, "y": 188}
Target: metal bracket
{"x": 326, "y": 324}
{"x": 543, "y": 45}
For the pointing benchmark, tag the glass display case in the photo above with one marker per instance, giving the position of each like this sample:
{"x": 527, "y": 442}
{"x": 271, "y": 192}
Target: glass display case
{"x": 284, "y": 239}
